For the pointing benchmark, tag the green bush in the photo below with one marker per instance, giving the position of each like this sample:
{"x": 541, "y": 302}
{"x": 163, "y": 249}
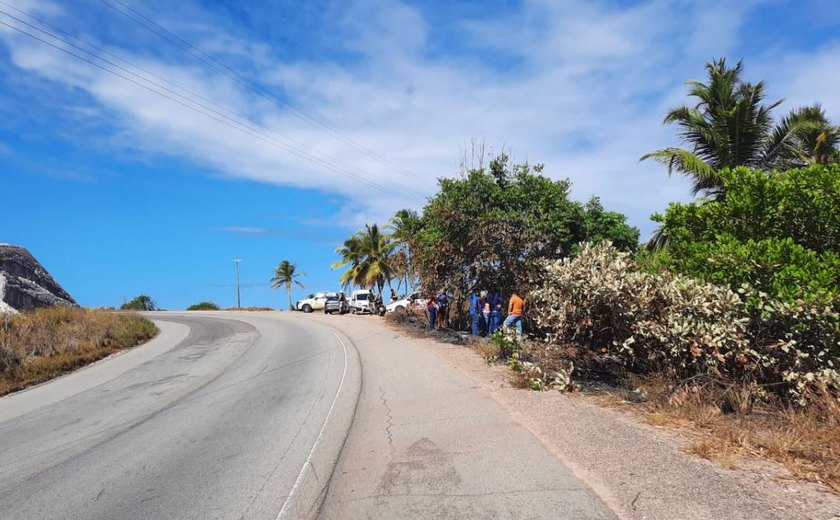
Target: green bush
{"x": 203, "y": 306}
{"x": 779, "y": 233}
{"x": 139, "y": 303}
{"x": 775, "y": 238}
{"x": 778, "y": 267}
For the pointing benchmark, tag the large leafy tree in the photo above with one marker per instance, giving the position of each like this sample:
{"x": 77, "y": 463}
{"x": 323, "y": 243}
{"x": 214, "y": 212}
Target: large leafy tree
{"x": 286, "y": 275}
{"x": 487, "y": 229}
{"x": 731, "y": 125}
{"x": 600, "y": 225}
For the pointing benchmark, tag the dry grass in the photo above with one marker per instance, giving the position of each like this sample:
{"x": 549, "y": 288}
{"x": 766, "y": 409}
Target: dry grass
{"x": 806, "y": 441}
{"x": 39, "y": 345}
{"x": 489, "y": 350}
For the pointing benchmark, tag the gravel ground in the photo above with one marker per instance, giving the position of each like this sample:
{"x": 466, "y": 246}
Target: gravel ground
{"x": 642, "y": 471}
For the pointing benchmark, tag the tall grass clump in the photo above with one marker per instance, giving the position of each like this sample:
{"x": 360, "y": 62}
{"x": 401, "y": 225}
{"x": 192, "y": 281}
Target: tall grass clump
{"x": 38, "y": 345}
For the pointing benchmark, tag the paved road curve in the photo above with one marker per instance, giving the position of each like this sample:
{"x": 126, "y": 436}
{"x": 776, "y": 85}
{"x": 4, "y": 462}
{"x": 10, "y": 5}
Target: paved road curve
{"x": 222, "y": 416}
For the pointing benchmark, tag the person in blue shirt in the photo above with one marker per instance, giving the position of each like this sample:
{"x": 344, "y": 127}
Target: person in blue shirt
{"x": 475, "y": 312}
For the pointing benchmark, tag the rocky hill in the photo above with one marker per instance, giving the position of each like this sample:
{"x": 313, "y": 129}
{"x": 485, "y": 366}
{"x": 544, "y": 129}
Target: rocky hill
{"x": 25, "y": 284}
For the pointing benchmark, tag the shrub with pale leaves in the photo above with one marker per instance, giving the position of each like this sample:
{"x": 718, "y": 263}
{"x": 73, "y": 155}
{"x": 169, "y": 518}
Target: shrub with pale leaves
{"x": 666, "y": 322}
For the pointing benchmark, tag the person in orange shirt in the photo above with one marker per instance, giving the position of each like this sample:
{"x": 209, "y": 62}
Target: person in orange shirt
{"x": 515, "y": 308}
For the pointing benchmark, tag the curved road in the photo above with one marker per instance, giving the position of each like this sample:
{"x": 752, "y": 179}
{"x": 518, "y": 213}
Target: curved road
{"x": 221, "y": 416}
{"x": 273, "y": 416}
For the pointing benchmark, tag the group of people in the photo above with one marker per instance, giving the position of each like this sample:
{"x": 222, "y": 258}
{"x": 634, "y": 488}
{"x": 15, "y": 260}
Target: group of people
{"x": 486, "y": 311}
{"x": 438, "y": 308}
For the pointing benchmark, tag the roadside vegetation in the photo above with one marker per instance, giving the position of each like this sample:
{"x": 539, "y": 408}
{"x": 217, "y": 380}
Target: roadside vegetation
{"x": 203, "y": 306}
{"x": 727, "y": 321}
{"x": 143, "y": 302}
{"x": 38, "y": 345}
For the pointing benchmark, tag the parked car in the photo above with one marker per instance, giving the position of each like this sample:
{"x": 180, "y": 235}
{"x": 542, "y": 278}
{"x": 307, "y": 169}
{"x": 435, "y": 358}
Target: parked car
{"x": 314, "y": 302}
{"x": 336, "y": 302}
{"x": 299, "y": 302}
{"x": 360, "y": 302}
{"x": 413, "y": 301}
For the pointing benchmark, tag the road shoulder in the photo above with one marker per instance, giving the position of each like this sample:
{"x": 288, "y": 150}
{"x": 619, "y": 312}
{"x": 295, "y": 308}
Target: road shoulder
{"x": 644, "y": 468}
{"x": 639, "y": 470}
{"x": 426, "y": 442}
{"x": 54, "y": 390}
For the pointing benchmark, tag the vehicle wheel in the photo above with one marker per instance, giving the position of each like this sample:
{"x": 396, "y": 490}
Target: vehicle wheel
{"x": 399, "y": 309}
{"x": 307, "y": 308}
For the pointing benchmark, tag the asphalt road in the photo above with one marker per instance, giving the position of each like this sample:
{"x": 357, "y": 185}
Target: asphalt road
{"x": 234, "y": 416}
{"x": 272, "y": 416}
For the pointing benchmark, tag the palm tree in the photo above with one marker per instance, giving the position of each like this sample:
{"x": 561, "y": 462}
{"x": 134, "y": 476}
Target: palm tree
{"x": 816, "y": 139}
{"x": 368, "y": 253}
{"x": 404, "y": 226}
{"x": 285, "y": 275}
{"x": 378, "y": 248}
{"x": 351, "y": 254}
{"x": 730, "y": 126}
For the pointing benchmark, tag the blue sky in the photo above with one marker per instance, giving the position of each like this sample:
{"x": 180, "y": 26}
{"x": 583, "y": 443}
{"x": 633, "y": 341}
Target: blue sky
{"x": 320, "y": 116}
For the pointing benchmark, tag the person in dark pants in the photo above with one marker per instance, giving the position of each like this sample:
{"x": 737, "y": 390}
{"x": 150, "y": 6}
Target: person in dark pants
{"x": 495, "y": 312}
{"x": 443, "y": 309}
{"x": 475, "y": 313}
{"x": 432, "y": 307}
{"x": 484, "y": 309}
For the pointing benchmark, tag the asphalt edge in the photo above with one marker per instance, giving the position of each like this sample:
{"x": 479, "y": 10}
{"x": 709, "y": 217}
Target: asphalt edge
{"x": 312, "y": 485}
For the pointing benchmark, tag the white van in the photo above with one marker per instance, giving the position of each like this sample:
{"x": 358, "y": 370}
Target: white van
{"x": 360, "y": 302}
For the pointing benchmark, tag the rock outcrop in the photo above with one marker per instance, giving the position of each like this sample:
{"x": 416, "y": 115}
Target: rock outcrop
{"x": 25, "y": 284}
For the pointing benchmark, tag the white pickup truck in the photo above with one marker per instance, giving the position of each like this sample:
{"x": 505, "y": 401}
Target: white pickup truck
{"x": 313, "y": 302}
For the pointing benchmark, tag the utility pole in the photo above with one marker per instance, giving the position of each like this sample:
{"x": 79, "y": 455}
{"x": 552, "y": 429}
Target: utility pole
{"x": 238, "y": 301}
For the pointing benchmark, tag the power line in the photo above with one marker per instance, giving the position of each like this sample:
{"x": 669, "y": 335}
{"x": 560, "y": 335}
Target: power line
{"x": 192, "y": 104}
{"x": 300, "y": 147}
{"x": 176, "y": 40}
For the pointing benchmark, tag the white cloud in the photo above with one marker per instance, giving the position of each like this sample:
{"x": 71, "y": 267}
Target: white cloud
{"x": 805, "y": 79}
{"x": 581, "y": 86}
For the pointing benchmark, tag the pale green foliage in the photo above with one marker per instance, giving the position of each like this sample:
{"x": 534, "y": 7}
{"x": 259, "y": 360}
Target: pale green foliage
{"x": 802, "y": 346}
{"x": 600, "y": 299}
{"x": 558, "y": 377}
{"x": 507, "y": 341}
{"x": 673, "y": 324}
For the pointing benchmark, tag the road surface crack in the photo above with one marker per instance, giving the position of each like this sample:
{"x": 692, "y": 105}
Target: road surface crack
{"x": 389, "y": 420}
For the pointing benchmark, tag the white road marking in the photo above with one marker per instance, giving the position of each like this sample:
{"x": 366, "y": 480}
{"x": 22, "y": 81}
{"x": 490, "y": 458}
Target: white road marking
{"x": 308, "y": 461}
